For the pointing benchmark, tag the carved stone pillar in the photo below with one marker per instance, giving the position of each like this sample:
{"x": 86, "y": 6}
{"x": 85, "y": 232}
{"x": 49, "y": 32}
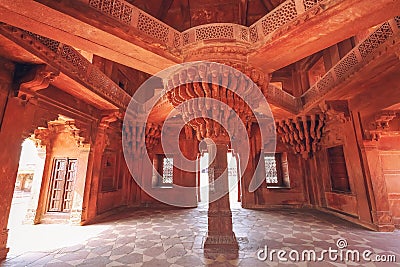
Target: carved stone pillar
{"x": 380, "y": 210}
{"x": 220, "y": 237}
{"x": 6, "y": 73}
{"x": 219, "y": 103}
{"x": 193, "y": 91}
{"x": 89, "y": 207}
{"x": 133, "y": 150}
{"x": 247, "y": 165}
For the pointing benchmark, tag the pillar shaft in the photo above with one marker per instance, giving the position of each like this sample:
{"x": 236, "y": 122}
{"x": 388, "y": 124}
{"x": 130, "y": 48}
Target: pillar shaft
{"x": 12, "y": 134}
{"x": 380, "y": 209}
{"x": 89, "y": 210}
{"x": 220, "y": 236}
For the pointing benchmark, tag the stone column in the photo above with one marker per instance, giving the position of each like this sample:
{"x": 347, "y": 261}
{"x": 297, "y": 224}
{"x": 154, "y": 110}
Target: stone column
{"x": 380, "y": 209}
{"x": 247, "y": 165}
{"x": 13, "y": 132}
{"x": 20, "y": 117}
{"x": 89, "y": 207}
{"x": 220, "y": 237}
{"x": 79, "y": 190}
{"x": 216, "y": 100}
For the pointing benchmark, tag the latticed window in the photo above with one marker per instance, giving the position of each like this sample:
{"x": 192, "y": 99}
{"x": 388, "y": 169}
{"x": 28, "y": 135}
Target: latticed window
{"x": 163, "y": 172}
{"x": 276, "y": 170}
{"x": 271, "y": 175}
{"x": 168, "y": 167}
{"x": 232, "y": 171}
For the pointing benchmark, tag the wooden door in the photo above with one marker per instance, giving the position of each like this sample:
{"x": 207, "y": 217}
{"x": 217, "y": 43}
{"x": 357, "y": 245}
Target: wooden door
{"x": 62, "y": 181}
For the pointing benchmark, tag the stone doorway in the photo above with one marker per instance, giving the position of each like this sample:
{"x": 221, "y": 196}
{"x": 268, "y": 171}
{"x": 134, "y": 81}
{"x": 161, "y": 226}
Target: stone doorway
{"x": 58, "y": 188}
{"x": 30, "y": 171}
{"x": 233, "y": 179}
{"x": 29, "y": 176}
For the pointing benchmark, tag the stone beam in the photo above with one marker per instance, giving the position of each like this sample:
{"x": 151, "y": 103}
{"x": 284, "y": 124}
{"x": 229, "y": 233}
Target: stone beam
{"x": 82, "y": 78}
{"x": 374, "y": 57}
{"x": 78, "y": 25}
{"x": 297, "y": 29}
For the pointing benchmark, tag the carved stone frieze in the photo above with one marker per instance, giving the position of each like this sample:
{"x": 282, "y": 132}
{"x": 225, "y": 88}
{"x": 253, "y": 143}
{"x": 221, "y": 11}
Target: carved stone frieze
{"x": 220, "y": 240}
{"x": 222, "y": 54}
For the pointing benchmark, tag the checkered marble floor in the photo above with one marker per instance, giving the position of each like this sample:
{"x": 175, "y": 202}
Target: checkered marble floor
{"x": 174, "y": 237}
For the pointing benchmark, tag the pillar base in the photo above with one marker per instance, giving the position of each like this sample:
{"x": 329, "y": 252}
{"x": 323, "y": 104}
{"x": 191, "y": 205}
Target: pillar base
{"x": 226, "y": 245}
{"x": 386, "y": 228}
{"x": 30, "y": 217}
{"x": 76, "y": 217}
{"x": 383, "y": 221}
{"x": 3, "y": 253}
{"x": 3, "y": 242}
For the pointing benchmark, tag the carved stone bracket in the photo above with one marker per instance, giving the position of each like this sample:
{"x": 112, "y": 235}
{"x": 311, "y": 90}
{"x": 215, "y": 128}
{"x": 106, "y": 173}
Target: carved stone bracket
{"x": 42, "y": 137}
{"x": 152, "y": 135}
{"x": 103, "y": 139}
{"x": 37, "y": 78}
{"x": 187, "y": 88}
{"x": 135, "y": 138}
{"x": 336, "y": 115}
{"x": 380, "y": 125}
{"x": 306, "y": 134}
{"x": 302, "y": 134}
{"x": 188, "y": 132}
{"x": 110, "y": 118}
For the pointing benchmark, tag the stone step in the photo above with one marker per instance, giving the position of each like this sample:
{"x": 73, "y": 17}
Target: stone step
{"x": 56, "y": 218}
